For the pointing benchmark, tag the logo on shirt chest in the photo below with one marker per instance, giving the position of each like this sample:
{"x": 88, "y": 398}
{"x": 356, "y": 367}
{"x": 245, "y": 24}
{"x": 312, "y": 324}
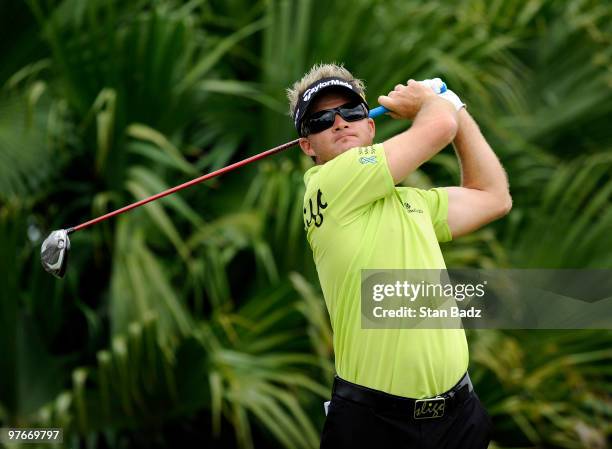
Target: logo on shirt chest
{"x": 313, "y": 214}
{"x": 410, "y": 210}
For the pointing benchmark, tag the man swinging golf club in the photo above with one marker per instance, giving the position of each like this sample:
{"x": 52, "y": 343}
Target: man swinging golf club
{"x": 394, "y": 387}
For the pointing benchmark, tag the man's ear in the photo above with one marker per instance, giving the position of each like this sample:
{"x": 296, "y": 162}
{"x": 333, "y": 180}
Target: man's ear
{"x": 372, "y": 128}
{"x": 306, "y": 147}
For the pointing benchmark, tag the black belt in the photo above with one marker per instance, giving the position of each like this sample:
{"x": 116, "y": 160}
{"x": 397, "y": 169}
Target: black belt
{"x": 427, "y": 408}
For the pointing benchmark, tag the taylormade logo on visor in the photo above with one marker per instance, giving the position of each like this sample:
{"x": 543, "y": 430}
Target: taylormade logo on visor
{"x": 313, "y": 90}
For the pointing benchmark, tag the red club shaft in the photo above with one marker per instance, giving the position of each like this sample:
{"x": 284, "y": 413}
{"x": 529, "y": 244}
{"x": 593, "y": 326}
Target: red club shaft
{"x": 185, "y": 185}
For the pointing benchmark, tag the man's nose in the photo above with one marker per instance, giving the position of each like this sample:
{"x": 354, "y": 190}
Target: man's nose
{"x": 339, "y": 122}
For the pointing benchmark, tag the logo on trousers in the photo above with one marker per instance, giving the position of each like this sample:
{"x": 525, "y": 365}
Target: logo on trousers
{"x": 429, "y": 408}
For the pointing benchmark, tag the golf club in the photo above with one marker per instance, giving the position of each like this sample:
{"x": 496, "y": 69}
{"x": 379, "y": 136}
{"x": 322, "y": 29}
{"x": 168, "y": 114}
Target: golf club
{"x": 55, "y": 248}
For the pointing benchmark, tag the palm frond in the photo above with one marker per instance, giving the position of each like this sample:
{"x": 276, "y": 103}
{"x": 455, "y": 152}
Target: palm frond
{"x": 577, "y": 202}
{"x": 27, "y": 159}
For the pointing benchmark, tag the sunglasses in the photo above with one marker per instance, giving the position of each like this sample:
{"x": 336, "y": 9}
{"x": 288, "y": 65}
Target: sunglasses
{"x": 322, "y": 120}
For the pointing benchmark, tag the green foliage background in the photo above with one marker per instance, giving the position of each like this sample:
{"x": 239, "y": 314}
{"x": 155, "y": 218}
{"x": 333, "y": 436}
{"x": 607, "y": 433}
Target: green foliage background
{"x": 198, "y": 319}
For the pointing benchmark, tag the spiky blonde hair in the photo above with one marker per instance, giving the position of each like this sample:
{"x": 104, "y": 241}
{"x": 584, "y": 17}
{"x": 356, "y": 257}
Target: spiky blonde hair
{"x": 317, "y": 72}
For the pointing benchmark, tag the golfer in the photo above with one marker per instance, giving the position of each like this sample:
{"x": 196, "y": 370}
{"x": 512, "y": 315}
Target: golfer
{"x": 394, "y": 388}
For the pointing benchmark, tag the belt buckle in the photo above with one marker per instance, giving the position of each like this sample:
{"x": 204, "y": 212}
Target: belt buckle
{"x": 429, "y": 408}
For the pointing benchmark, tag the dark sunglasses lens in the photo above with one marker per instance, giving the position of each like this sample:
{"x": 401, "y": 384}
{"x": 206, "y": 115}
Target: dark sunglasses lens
{"x": 321, "y": 121}
{"x": 352, "y": 113}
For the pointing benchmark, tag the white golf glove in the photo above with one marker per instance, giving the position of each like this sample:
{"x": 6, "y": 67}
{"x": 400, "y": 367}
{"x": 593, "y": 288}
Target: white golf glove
{"x": 436, "y": 84}
{"x": 439, "y": 87}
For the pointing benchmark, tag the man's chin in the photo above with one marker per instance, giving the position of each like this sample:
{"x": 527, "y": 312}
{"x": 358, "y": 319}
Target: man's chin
{"x": 346, "y": 143}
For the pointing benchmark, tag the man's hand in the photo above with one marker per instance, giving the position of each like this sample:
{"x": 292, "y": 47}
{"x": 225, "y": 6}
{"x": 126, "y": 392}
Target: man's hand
{"x": 405, "y": 101}
{"x": 434, "y": 126}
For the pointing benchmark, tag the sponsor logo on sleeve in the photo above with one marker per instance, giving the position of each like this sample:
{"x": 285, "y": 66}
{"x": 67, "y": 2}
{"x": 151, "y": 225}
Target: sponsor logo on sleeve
{"x": 367, "y": 155}
{"x": 367, "y": 160}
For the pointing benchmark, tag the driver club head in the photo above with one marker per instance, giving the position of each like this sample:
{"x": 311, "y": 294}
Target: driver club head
{"x": 54, "y": 253}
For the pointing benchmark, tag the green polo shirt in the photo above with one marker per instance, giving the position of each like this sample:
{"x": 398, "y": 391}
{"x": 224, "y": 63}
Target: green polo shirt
{"x": 356, "y": 219}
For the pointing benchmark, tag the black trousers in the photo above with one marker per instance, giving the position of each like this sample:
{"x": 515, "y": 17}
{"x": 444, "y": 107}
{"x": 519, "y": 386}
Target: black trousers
{"x": 354, "y": 425}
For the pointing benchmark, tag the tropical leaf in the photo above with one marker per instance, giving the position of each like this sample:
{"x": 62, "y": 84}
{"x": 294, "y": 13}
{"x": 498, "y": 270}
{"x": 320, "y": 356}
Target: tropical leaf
{"x": 577, "y": 202}
{"x": 552, "y": 385}
{"x": 140, "y": 287}
{"x": 27, "y": 159}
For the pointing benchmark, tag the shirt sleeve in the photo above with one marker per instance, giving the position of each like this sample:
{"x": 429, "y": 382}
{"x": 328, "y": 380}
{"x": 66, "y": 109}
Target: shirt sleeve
{"x": 437, "y": 206}
{"x": 354, "y": 180}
